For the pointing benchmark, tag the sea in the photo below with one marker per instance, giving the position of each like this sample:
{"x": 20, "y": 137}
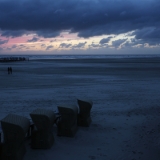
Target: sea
{"x": 39, "y": 57}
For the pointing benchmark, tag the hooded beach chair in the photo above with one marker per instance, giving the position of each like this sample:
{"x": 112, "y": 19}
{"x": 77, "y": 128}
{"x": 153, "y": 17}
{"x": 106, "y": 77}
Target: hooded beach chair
{"x": 14, "y": 129}
{"x": 42, "y": 137}
{"x": 84, "y": 118}
{"x": 67, "y": 125}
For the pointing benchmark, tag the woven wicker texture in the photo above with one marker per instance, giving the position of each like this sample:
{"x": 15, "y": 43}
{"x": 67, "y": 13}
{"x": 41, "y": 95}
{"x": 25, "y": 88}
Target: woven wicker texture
{"x": 43, "y": 118}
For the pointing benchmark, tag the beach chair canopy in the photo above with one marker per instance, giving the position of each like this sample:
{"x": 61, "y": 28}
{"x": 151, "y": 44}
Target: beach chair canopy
{"x": 67, "y": 125}
{"x": 84, "y": 118}
{"x": 43, "y": 118}
{"x": 42, "y": 138}
{"x": 14, "y": 127}
{"x": 85, "y": 106}
{"x": 68, "y": 113}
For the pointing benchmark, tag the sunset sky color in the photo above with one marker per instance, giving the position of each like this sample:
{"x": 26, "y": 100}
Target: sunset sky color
{"x": 79, "y": 27}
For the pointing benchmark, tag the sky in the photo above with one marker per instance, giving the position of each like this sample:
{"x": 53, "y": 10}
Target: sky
{"x": 79, "y": 27}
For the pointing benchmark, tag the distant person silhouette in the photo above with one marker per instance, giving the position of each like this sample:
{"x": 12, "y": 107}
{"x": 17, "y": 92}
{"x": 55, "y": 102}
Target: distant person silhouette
{"x": 11, "y": 70}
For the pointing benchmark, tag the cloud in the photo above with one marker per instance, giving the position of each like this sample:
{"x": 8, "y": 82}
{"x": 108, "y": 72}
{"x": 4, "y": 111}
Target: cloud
{"x": 8, "y": 49}
{"x": 54, "y": 40}
{"x": 43, "y": 45}
{"x": 21, "y": 46}
{"x": 123, "y": 13}
{"x": 142, "y": 42}
{"x": 147, "y": 33}
{"x": 79, "y": 45}
{"x": 105, "y": 40}
{"x": 118, "y": 42}
{"x": 13, "y": 34}
{"x": 14, "y": 46}
{"x": 150, "y": 35}
{"x": 88, "y": 18}
{"x": 34, "y": 39}
{"x": 49, "y": 47}
{"x": 94, "y": 45}
{"x": 3, "y": 41}
{"x": 47, "y": 33}
{"x": 65, "y": 45}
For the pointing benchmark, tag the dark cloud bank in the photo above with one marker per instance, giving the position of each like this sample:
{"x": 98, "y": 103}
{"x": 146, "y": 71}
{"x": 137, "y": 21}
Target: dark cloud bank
{"x": 88, "y": 18}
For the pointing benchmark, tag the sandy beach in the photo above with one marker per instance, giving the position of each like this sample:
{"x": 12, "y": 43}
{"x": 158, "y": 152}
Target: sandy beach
{"x": 126, "y": 104}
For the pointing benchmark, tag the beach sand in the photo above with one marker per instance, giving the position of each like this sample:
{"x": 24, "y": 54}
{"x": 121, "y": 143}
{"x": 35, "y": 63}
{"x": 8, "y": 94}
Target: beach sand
{"x": 126, "y": 104}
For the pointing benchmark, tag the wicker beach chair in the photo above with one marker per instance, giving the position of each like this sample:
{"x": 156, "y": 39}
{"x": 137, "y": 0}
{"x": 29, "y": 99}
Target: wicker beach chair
{"x": 84, "y": 118}
{"x": 14, "y": 129}
{"x": 67, "y": 125}
{"x": 42, "y": 137}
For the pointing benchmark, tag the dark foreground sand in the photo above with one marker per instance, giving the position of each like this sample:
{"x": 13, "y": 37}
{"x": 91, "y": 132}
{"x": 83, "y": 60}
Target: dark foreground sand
{"x": 125, "y": 114}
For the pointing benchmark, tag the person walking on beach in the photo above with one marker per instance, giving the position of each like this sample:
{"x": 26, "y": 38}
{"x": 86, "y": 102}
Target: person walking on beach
{"x": 9, "y": 70}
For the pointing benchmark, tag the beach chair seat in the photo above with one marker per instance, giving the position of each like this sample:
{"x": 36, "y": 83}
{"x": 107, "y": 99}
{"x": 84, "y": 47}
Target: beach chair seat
{"x": 1, "y": 150}
{"x": 14, "y": 129}
{"x": 84, "y": 118}
{"x": 42, "y": 137}
{"x": 67, "y": 125}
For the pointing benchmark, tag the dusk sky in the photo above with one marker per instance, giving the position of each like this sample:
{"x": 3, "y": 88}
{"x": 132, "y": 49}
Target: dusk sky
{"x": 79, "y": 27}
